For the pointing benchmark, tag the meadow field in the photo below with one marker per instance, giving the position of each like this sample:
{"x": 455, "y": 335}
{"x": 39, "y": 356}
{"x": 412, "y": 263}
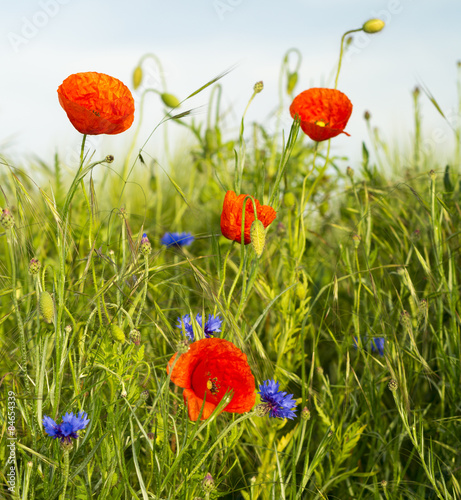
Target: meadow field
{"x": 253, "y": 317}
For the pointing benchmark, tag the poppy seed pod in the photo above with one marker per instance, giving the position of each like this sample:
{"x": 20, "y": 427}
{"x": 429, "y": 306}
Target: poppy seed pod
{"x": 46, "y": 307}
{"x": 170, "y": 100}
{"x": 373, "y": 26}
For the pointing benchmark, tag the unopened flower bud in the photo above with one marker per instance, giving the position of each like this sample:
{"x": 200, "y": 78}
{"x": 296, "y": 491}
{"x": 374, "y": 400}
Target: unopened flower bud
{"x": 117, "y": 333}
{"x": 258, "y": 236}
{"x": 124, "y": 394}
{"x": 367, "y": 115}
{"x": 416, "y": 91}
{"x": 135, "y": 337}
{"x": 432, "y": 175}
{"x": 34, "y": 266}
{"x": 258, "y": 87}
{"x": 373, "y": 26}
{"x": 170, "y": 100}
{"x": 66, "y": 446}
{"x": 7, "y": 219}
{"x": 151, "y": 436}
{"x": 393, "y": 385}
{"x": 305, "y": 413}
{"x": 144, "y": 395}
{"x": 68, "y": 329}
{"x": 146, "y": 247}
{"x": 301, "y": 291}
{"x": 356, "y": 239}
{"x": 289, "y": 200}
{"x": 291, "y": 82}
{"x": 46, "y": 307}
{"x": 262, "y": 410}
{"x": 109, "y": 158}
{"x": 350, "y": 172}
{"x": 137, "y": 77}
{"x": 405, "y": 319}
{"x": 208, "y": 483}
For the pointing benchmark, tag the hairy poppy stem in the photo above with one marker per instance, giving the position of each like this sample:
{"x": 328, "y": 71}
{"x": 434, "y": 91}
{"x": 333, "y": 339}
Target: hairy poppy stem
{"x": 341, "y": 51}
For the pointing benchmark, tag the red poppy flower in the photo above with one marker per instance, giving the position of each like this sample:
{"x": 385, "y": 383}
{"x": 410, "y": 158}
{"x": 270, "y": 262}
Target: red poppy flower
{"x": 212, "y": 367}
{"x": 231, "y": 216}
{"x": 96, "y": 103}
{"x": 324, "y": 113}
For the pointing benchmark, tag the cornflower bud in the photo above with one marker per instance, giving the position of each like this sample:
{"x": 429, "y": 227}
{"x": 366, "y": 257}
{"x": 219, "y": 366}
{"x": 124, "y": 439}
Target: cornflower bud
{"x": 7, "y": 219}
{"x": 305, "y": 413}
{"x": 258, "y": 87}
{"x": 146, "y": 247}
{"x": 208, "y": 483}
{"x": 135, "y": 337}
{"x": 393, "y": 385}
{"x": 34, "y": 266}
{"x": 109, "y": 158}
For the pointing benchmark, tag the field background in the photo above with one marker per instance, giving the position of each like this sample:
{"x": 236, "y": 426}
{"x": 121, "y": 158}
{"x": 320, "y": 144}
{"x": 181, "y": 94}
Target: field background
{"x": 366, "y": 251}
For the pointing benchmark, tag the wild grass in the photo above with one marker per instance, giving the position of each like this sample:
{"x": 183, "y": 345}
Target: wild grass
{"x": 353, "y": 254}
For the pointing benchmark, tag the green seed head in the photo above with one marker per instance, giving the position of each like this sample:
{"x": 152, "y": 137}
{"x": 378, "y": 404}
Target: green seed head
{"x": 46, "y": 307}
{"x": 258, "y": 87}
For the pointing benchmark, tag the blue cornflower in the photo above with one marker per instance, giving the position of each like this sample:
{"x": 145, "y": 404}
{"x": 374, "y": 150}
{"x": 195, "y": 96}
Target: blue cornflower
{"x": 277, "y": 403}
{"x": 374, "y": 345}
{"x": 68, "y": 428}
{"x": 212, "y": 326}
{"x": 177, "y": 239}
{"x": 185, "y": 320}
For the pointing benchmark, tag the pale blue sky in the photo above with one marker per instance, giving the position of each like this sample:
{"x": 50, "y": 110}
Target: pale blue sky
{"x": 44, "y": 41}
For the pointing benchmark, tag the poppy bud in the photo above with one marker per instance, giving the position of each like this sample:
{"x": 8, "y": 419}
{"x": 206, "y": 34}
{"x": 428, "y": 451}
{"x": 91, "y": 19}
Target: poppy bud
{"x": 170, "y": 100}
{"x": 292, "y": 81}
{"x": 211, "y": 139}
{"x": 34, "y": 266}
{"x": 301, "y": 291}
{"x": 258, "y": 236}
{"x": 117, "y": 333}
{"x": 46, "y": 307}
{"x": 258, "y": 87}
{"x": 135, "y": 337}
{"x": 373, "y": 26}
{"x": 289, "y": 200}
{"x": 137, "y": 77}
{"x": 7, "y": 220}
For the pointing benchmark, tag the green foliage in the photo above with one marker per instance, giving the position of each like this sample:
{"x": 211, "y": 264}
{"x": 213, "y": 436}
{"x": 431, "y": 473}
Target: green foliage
{"x": 350, "y": 256}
